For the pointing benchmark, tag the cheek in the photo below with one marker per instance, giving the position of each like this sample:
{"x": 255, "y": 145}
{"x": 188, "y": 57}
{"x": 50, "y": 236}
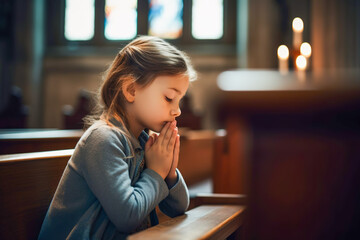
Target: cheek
{"x": 152, "y": 103}
{"x": 152, "y": 107}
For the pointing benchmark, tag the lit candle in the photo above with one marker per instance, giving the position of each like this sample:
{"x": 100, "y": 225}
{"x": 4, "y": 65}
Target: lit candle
{"x": 301, "y": 63}
{"x": 298, "y": 27}
{"x": 305, "y": 50}
{"x": 301, "y": 66}
{"x": 283, "y": 56}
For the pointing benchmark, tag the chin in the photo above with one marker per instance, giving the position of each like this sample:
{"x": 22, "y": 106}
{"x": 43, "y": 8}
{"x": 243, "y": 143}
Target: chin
{"x": 157, "y": 128}
{"x": 153, "y": 128}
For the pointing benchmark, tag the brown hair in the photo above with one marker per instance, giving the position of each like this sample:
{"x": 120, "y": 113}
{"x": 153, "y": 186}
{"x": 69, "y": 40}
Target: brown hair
{"x": 140, "y": 61}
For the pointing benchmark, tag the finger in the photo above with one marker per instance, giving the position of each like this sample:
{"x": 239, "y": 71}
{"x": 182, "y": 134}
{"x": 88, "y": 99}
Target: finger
{"x": 149, "y": 142}
{"x": 156, "y": 136}
{"x": 172, "y": 140}
{"x": 163, "y": 132}
{"x": 168, "y": 134}
{"x": 176, "y": 153}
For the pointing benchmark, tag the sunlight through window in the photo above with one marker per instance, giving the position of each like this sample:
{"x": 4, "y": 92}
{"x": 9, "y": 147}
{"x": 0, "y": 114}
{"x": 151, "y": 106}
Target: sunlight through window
{"x": 79, "y": 20}
{"x": 120, "y": 19}
{"x": 207, "y": 19}
{"x": 165, "y": 18}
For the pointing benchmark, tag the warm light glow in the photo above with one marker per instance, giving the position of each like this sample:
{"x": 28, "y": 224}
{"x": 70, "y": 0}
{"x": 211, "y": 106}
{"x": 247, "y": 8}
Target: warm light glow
{"x": 257, "y": 80}
{"x": 301, "y": 62}
{"x": 120, "y": 19}
{"x": 298, "y": 25}
{"x": 79, "y": 20}
{"x": 165, "y": 18}
{"x": 207, "y": 19}
{"x": 305, "y": 49}
{"x": 283, "y": 52}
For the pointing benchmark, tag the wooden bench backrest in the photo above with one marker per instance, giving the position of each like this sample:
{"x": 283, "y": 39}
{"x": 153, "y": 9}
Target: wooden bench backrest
{"x": 27, "y": 185}
{"x": 196, "y": 153}
{"x": 37, "y": 141}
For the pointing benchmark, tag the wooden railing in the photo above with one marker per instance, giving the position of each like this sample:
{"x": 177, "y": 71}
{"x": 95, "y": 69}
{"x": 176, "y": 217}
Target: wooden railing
{"x": 202, "y": 222}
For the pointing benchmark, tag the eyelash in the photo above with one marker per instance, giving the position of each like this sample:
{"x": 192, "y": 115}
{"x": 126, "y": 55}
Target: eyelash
{"x": 168, "y": 99}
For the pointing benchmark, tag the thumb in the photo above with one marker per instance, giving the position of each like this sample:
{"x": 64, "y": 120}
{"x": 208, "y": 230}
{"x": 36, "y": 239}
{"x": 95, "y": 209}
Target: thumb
{"x": 149, "y": 143}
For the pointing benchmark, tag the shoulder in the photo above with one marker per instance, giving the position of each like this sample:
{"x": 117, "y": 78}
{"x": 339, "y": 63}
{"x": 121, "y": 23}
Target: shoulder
{"x": 101, "y": 134}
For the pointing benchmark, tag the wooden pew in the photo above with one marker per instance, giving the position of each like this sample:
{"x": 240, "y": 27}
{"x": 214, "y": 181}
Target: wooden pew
{"x": 293, "y": 147}
{"x": 38, "y": 140}
{"x": 28, "y": 182}
{"x": 203, "y": 222}
{"x": 196, "y": 152}
{"x": 211, "y": 216}
{"x": 196, "y": 156}
{"x": 217, "y": 198}
{"x": 27, "y": 185}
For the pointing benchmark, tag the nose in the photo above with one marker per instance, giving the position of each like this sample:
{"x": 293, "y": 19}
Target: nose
{"x": 176, "y": 112}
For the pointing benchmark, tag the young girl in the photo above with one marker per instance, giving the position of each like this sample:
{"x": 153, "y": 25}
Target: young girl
{"x": 118, "y": 174}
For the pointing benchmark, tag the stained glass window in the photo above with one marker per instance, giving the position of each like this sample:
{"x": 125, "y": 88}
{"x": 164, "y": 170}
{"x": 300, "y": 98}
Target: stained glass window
{"x": 165, "y": 18}
{"x": 79, "y": 19}
{"x": 120, "y": 19}
{"x": 207, "y": 19}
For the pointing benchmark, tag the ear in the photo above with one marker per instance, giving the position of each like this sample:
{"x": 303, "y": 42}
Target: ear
{"x": 128, "y": 89}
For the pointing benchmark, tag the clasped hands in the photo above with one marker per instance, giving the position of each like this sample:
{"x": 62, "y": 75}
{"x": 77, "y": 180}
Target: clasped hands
{"x": 162, "y": 152}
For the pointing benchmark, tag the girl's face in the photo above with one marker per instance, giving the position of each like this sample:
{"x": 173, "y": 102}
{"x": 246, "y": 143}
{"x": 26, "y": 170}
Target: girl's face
{"x": 158, "y": 102}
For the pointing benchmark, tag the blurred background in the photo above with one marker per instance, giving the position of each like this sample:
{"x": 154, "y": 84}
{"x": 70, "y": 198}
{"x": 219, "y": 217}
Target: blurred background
{"x": 274, "y": 113}
{"x": 53, "y": 53}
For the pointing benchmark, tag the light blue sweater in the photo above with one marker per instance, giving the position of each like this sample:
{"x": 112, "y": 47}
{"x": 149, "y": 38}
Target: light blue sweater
{"x": 104, "y": 195}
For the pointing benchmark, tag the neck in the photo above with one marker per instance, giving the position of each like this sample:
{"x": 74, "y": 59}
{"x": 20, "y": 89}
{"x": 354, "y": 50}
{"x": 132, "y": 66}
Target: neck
{"x": 135, "y": 127}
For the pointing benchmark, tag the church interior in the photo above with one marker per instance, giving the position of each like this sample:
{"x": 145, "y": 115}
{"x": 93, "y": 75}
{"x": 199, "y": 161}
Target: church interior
{"x": 269, "y": 130}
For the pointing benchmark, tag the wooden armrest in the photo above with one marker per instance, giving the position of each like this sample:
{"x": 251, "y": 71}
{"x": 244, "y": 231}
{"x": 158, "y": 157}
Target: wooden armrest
{"x": 203, "y": 222}
{"x": 217, "y": 198}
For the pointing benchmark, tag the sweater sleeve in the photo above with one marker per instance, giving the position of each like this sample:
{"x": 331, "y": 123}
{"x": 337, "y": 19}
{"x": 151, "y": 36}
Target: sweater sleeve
{"x": 107, "y": 175}
{"x": 178, "y": 200}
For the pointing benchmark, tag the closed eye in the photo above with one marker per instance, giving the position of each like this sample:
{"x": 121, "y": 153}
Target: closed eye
{"x": 168, "y": 99}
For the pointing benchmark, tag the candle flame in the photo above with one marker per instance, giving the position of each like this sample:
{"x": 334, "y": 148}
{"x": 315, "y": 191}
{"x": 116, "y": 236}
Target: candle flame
{"x": 301, "y": 62}
{"x": 283, "y": 52}
{"x": 305, "y": 49}
{"x": 298, "y": 24}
